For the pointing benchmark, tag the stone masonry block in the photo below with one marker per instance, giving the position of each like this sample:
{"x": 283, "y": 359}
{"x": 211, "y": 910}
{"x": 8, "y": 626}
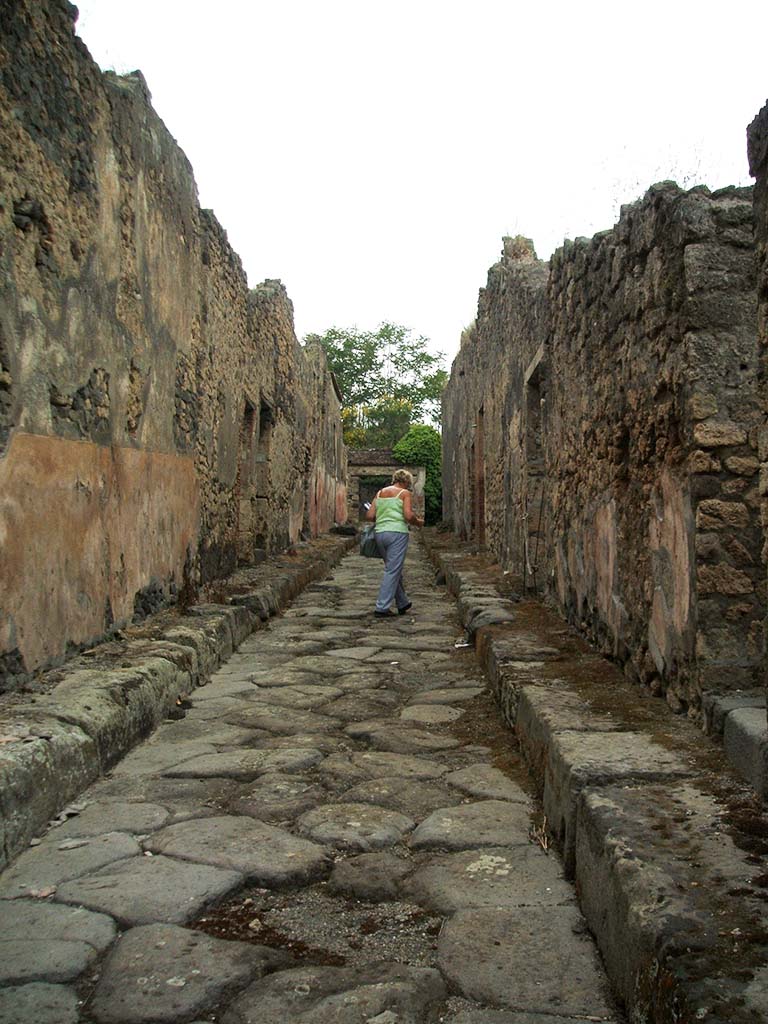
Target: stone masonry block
{"x": 745, "y": 739}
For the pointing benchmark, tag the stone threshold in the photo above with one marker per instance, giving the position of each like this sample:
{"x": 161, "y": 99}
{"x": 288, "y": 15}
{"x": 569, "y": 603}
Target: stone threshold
{"x": 666, "y": 844}
{"x": 105, "y": 701}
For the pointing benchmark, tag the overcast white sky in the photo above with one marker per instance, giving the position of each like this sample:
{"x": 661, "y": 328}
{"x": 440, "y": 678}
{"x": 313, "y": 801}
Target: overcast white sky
{"x": 372, "y": 155}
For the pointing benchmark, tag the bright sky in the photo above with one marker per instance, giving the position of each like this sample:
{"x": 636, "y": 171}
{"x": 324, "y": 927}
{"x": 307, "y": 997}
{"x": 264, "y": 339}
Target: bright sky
{"x": 372, "y": 155}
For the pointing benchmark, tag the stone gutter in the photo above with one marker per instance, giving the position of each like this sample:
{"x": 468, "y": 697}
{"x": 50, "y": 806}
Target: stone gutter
{"x": 56, "y": 743}
{"x": 665, "y": 843}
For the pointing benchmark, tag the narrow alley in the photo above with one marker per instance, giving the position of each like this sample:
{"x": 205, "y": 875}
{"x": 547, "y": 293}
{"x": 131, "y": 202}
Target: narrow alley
{"x": 329, "y": 834}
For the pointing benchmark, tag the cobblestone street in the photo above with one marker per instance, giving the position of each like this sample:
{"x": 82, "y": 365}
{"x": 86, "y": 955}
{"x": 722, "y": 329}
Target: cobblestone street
{"x": 325, "y": 836}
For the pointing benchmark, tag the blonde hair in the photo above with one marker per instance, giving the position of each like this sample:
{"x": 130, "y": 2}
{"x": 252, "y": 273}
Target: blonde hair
{"x": 402, "y": 476}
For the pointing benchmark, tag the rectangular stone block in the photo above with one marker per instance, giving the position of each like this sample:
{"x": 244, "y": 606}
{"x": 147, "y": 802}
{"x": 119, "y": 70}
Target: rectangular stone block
{"x": 745, "y": 738}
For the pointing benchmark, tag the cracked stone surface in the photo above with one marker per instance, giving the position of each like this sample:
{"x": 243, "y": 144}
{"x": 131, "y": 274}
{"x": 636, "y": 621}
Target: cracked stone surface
{"x": 322, "y": 838}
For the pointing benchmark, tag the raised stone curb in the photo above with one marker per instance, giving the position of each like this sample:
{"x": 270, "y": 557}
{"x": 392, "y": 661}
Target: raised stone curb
{"x": 676, "y": 905}
{"x": 115, "y": 695}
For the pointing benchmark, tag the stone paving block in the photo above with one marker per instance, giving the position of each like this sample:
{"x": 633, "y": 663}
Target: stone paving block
{"x": 475, "y": 1016}
{"x": 182, "y": 798}
{"x": 324, "y": 665}
{"x": 487, "y": 823}
{"x": 400, "y": 739}
{"x": 380, "y": 994}
{"x": 380, "y": 764}
{"x": 745, "y": 739}
{"x": 487, "y": 783}
{"x": 244, "y": 766}
{"x": 151, "y": 758}
{"x": 430, "y": 714}
{"x": 46, "y": 942}
{"x": 370, "y": 876}
{"x": 356, "y": 653}
{"x": 413, "y": 797}
{"x": 489, "y": 877}
{"x": 115, "y": 815}
{"x": 354, "y": 826}
{"x": 277, "y": 797}
{"x": 448, "y": 695}
{"x": 48, "y": 865}
{"x": 264, "y": 854}
{"x": 531, "y": 959}
{"x": 148, "y": 889}
{"x": 162, "y": 973}
{"x": 302, "y": 696}
{"x": 38, "y": 1003}
{"x": 579, "y": 759}
{"x": 282, "y": 720}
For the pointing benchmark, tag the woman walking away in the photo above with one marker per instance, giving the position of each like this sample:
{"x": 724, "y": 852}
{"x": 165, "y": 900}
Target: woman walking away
{"x": 392, "y": 511}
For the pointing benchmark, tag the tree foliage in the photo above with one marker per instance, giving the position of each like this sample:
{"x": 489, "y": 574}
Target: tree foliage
{"x": 421, "y": 446}
{"x": 388, "y": 381}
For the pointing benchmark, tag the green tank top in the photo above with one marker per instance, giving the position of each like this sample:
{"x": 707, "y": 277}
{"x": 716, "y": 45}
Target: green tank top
{"x": 389, "y": 516}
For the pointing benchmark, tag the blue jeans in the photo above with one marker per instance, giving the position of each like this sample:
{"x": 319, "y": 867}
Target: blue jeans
{"x": 392, "y": 548}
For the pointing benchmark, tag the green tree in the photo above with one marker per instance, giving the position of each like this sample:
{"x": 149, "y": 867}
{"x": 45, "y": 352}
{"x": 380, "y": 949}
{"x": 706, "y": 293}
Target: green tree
{"x": 388, "y": 380}
{"x": 421, "y": 446}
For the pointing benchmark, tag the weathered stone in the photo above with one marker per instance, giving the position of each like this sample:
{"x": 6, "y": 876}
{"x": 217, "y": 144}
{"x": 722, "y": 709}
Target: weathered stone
{"x": 48, "y": 865}
{"x": 282, "y": 720}
{"x": 160, "y": 972}
{"x": 276, "y": 797}
{"x": 714, "y": 514}
{"x": 354, "y": 826}
{"x": 47, "y": 942}
{"x": 459, "y": 695}
{"x": 304, "y": 697}
{"x": 487, "y": 823}
{"x": 745, "y": 738}
{"x": 356, "y": 653}
{"x": 356, "y": 707}
{"x": 522, "y": 876}
{"x": 413, "y": 797}
{"x": 723, "y": 579}
{"x": 526, "y": 959}
{"x": 147, "y": 889}
{"x": 120, "y": 816}
{"x": 718, "y": 434}
{"x": 38, "y": 1002}
{"x": 430, "y": 714}
{"x": 381, "y": 764}
{"x": 380, "y": 994}
{"x": 486, "y": 783}
{"x": 744, "y": 465}
{"x": 382, "y": 734}
{"x": 370, "y": 876}
{"x": 264, "y": 854}
{"x": 245, "y": 765}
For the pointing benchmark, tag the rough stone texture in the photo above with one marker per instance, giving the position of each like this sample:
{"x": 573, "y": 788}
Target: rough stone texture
{"x": 381, "y": 994}
{"x": 600, "y": 433}
{"x": 161, "y": 972}
{"x": 49, "y": 943}
{"x": 54, "y": 862}
{"x": 487, "y": 823}
{"x": 370, "y": 876}
{"x": 159, "y": 422}
{"x": 38, "y": 1002}
{"x": 354, "y": 826}
{"x": 746, "y": 743}
{"x": 524, "y": 959}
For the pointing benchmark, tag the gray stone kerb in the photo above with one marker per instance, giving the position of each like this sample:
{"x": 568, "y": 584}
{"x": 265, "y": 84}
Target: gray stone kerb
{"x": 56, "y": 746}
{"x": 641, "y": 832}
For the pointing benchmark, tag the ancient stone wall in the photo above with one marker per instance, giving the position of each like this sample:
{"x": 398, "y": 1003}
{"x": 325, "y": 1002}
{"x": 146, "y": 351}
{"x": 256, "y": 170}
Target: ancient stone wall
{"x": 757, "y": 137}
{"x": 611, "y": 403}
{"x": 159, "y": 422}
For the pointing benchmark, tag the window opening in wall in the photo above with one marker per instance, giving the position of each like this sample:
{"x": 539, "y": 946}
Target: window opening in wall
{"x": 243, "y": 482}
{"x": 262, "y": 475}
{"x": 478, "y": 481}
{"x": 369, "y": 488}
{"x": 535, "y": 479}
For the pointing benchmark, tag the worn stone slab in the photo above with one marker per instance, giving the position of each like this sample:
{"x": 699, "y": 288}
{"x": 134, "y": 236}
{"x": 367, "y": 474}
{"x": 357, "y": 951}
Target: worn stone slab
{"x": 160, "y": 972}
{"x": 217, "y": 734}
{"x": 380, "y": 994}
{"x": 282, "y": 720}
{"x": 579, "y": 759}
{"x": 370, "y": 876}
{"x": 487, "y": 823}
{"x": 182, "y": 798}
{"x": 380, "y": 764}
{"x": 272, "y": 678}
{"x": 38, "y": 1003}
{"x": 361, "y": 705}
{"x": 113, "y": 816}
{"x": 430, "y": 714}
{"x": 356, "y": 653}
{"x": 413, "y": 797}
{"x": 264, "y": 854}
{"x": 47, "y": 942}
{"x": 527, "y": 959}
{"x": 383, "y": 734}
{"x": 745, "y": 739}
{"x": 245, "y": 765}
{"x": 47, "y": 866}
{"x": 302, "y": 696}
{"x": 148, "y": 889}
{"x": 355, "y": 826}
{"x": 495, "y": 876}
{"x": 447, "y": 695}
{"x": 486, "y": 783}
{"x": 485, "y": 1016}
{"x": 277, "y": 797}
{"x": 324, "y": 665}
{"x": 153, "y": 758}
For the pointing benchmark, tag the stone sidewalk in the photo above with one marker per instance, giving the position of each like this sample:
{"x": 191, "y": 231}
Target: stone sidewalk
{"x": 326, "y": 836}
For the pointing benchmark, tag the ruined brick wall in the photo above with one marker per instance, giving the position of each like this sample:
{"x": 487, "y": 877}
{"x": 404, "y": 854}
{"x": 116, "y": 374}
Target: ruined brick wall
{"x": 159, "y": 422}
{"x": 645, "y": 450}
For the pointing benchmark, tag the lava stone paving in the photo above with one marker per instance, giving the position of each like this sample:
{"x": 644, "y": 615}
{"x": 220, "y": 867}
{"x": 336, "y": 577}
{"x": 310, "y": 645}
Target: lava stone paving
{"x": 324, "y": 837}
